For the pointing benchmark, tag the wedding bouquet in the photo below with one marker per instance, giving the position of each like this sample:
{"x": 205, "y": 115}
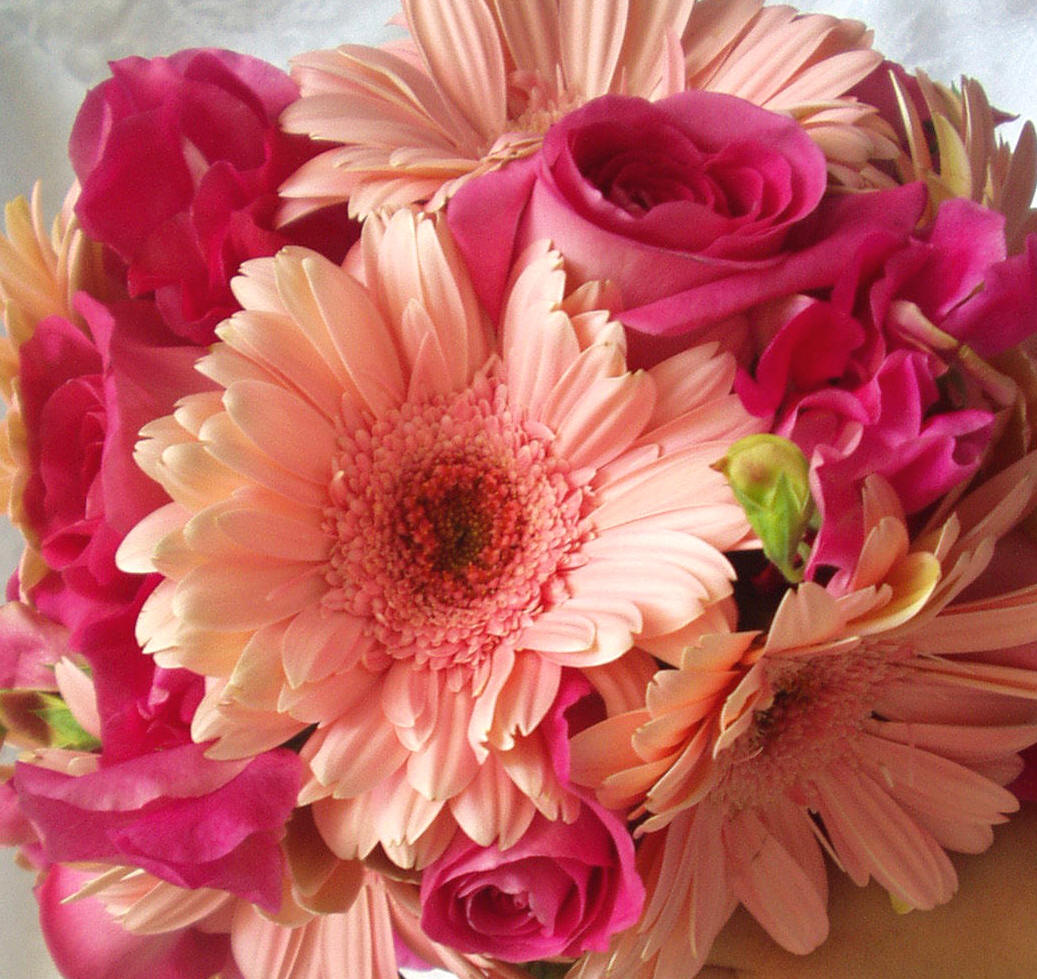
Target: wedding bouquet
{"x": 504, "y": 499}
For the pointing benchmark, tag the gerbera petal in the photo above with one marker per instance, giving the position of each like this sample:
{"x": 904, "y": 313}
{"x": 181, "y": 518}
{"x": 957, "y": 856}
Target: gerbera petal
{"x": 531, "y": 33}
{"x": 446, "y": 764}
{"x": 592, "y": 39}
{"x": 355, "y": 752}
{"x": 491, "y": 809}
{"x": 862, "y": 820}
{"x": 232, "y": 596}
{"x": 459, "y": 41}
{"x": 773, "y": 886}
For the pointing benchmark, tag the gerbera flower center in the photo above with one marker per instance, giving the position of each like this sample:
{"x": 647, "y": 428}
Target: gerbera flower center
{"x": 817, "y": 709}
{"x": 536, "y": 104}
{"x": 451, "y": 521}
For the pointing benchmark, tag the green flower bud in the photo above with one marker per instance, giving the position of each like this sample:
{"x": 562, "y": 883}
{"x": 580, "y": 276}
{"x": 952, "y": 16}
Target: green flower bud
{"x": 769, "y": 476}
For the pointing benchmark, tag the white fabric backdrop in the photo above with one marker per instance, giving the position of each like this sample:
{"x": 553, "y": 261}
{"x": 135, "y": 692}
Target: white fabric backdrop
{"x": 52, "y": 50}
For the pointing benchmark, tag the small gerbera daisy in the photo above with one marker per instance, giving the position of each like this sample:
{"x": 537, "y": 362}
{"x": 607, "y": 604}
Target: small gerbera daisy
{"x": 479, "y": 83}
{"x": 878, "y": 724}
{"x": 392, "y": 529}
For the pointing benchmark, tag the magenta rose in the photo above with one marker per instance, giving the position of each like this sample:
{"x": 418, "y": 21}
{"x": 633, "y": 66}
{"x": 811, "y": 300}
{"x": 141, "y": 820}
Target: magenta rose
{"x": 697, "y": 207}
{"x": 179, "y": 160}
{"x": 85, "y": 396}
{"x": 561, "y": 890}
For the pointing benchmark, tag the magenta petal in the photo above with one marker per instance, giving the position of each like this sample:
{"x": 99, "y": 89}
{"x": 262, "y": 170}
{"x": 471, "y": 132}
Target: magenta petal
{"x": 484, "y": 218}
{"x": 1004, "y": 313}
{"x": 177, "y": 814}
{"x": 827, "y": 244}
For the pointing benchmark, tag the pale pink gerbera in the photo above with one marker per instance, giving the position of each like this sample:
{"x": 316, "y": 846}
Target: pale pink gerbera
{"x": 878, "y": 723}
{"x": 392, "y": 526}
{"x": 479, "y": 83}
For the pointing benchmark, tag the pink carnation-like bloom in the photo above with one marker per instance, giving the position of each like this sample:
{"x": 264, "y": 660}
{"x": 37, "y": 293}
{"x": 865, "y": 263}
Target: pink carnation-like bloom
{"x": 391, "y": 529}
{"x": 179, "y": 159}
{"x": 696, "y": 207}
{"x": 878, "y": 380}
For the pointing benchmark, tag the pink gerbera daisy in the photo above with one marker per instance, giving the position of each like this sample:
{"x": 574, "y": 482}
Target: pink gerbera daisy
{"x": 877, "y": 723}
{"x": 479, "y": 83}
{"x": 392, "y": 529}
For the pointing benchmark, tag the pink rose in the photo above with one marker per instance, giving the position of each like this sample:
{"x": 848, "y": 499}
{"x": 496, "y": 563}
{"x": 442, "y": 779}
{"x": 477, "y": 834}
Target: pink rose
{"x": 562, "y": 889}
{"x": 179, "y": 160}
{"x": 697, "y": 207}
{"x": 85, "y": 397}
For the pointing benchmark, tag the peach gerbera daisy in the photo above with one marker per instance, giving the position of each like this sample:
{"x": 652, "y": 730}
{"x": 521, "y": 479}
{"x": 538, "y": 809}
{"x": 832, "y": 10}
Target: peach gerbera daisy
{"x": 878, "y": 724}
{"x": 391, "y": 530}
{"x": 479, "y": 83}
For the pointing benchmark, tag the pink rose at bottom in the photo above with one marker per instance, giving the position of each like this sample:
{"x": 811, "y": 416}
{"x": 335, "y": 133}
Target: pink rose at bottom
{"x": 562, "y": 889}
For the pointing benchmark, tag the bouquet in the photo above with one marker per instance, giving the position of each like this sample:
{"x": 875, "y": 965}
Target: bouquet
{"x": 502, "y": 500}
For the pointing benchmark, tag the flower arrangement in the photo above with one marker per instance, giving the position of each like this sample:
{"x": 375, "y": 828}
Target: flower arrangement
{"x": 504, "y": 499}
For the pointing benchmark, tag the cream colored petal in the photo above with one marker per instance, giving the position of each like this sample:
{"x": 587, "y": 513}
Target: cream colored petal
{"x": 531, "y": 33}
{"x": 611, "y": 412}
{"x": 226, "y": 444}
{"x": 283, "y": 353}
{"x": 135, "y": 553}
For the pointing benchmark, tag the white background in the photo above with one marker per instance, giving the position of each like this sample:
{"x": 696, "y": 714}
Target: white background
{"x": 51, "y": 51}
